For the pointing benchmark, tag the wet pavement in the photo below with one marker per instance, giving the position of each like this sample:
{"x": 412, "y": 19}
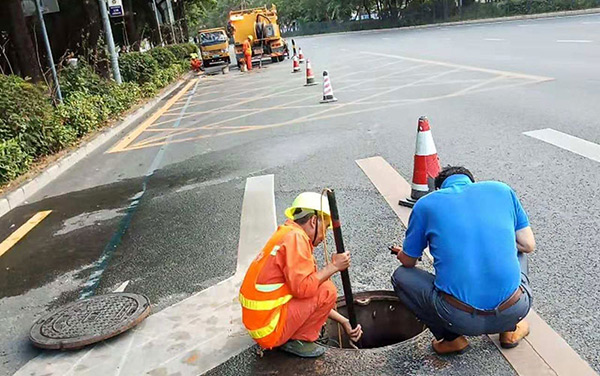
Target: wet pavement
{"x": 195, "y": 159}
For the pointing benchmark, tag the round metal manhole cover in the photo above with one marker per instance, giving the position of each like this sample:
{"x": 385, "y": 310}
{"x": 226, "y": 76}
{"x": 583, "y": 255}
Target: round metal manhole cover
{"x": 89, "y": 321}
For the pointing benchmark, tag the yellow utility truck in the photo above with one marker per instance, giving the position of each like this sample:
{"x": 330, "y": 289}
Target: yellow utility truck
{"x": 214, "y": 46}
{"x": 261, "y": 23}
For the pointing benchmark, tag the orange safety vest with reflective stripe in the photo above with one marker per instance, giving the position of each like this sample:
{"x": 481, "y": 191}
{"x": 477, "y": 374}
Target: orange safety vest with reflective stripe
{"x": 247, "y": 48}
{"x": 264, "y": 307}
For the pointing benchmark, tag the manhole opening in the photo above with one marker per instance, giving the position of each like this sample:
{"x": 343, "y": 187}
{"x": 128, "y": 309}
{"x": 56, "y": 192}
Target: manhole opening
{"x": 384, "y": 318}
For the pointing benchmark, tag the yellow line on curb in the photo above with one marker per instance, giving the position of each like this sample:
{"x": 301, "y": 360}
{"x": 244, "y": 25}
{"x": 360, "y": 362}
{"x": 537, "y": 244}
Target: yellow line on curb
{"x": 121, "y": 145}
{"x": 20, "y": 233}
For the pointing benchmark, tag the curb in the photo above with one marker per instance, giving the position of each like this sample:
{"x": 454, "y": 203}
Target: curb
{"x": 16, "y": 197}
{"x": 565, "y": 13}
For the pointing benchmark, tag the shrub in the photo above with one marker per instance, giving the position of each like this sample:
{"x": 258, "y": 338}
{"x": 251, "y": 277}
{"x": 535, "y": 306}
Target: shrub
{"x": 190, "y": 48}
{"x": 120, "y": 98}
{"x": 82, "y": 112}
{"x": 163, "y": 56}
{"x": 179, "y": 51}
{"x": 26, "y": 114}
{"x": 149, "y": 89}
{"x": 138, "y": 67}
{"x": 81, "y": 79}
{"x": 13, "y": 160}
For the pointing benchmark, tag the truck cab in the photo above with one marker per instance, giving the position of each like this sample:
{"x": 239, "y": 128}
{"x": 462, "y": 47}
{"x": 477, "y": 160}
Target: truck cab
{"x": 214, "y": 46}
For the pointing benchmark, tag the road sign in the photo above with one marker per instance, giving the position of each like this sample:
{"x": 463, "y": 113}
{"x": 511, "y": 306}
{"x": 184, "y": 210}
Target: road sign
{"x": 115, "y": 8}
{"x": 48, "y": 6}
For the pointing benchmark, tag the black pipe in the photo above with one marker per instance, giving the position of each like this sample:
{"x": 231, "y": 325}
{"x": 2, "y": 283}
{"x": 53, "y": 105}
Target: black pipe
{"x": 339, "y": 247}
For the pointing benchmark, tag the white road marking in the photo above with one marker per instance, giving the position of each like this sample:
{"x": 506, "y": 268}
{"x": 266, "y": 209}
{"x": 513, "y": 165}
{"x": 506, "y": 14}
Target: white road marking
{"x": 385, "y": 38}
{"x": 543, "y": 352}
{"x": 591, "y": 22}
{"x": 464, "y": 67}
{"x": 122, "y": 287}
{"x": 565, "y": 141}
{"x": 573, "y": 41}
{"x": 193, "y": 335}
{"x": 494, "y": 39}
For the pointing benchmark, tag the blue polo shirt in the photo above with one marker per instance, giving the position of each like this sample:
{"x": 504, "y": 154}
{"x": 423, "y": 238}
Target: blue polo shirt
{"x": 470, "y": 229}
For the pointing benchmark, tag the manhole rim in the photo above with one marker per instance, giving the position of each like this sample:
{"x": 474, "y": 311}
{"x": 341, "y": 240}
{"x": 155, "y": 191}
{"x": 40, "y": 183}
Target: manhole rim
{"x": 381, "y": 348}
{"x": 74, "y": 343}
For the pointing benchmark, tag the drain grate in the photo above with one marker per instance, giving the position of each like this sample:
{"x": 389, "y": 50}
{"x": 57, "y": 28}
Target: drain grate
{"x": 89, "y": 321}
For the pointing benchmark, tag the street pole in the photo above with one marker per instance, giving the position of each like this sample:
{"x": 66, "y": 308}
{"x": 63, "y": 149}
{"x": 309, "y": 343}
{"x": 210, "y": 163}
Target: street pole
{"x": 157, "y": 22}
{"x": 114, "y": 58}
{"x": 38, "y": 8}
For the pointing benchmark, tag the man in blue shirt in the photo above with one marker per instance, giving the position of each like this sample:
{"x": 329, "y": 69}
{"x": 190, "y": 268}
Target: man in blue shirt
{"x": 478, "y": 235}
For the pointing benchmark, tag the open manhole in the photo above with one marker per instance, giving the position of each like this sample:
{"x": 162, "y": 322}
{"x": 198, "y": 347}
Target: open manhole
{"x": 89, "y": 321}
{"x": 385, "y": 320}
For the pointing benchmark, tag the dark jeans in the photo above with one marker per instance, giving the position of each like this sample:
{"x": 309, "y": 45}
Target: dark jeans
{"x": 415, "y": 288}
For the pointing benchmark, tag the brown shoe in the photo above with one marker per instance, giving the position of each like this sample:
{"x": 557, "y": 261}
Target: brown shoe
{"x": 508, "y": 340}
{"x": 457, "y": 346}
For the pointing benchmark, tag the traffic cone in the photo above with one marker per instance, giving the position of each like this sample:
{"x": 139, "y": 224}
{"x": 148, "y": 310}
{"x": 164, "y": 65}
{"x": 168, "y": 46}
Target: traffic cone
{"x": 300, "y": 55}
{"x": 310, "y": 77}
{"x": 426, "y": 165}
{"x": 327, "y": 89}
{"x": 296, "y": 66}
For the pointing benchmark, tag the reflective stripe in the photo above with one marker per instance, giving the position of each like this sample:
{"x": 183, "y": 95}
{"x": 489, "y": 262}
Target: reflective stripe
{"x": 275, "y": 249}
{"x": 264, "y": 305}
{"x": 268, "y": 288}
{"x": 265, "y": 331}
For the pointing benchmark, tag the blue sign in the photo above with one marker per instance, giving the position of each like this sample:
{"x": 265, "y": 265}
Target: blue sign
{"x": 115, "y": 8}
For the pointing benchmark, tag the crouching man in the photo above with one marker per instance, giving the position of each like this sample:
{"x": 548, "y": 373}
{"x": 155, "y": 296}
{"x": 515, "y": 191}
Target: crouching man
{"x": 479, "y": 237}
{"x": 285, "y": 299}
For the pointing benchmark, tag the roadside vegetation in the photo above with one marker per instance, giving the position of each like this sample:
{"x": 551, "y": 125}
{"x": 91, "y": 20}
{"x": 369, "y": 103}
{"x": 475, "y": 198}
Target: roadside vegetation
{"x": 32, "y": 126}
{"x": 302, "y": 17}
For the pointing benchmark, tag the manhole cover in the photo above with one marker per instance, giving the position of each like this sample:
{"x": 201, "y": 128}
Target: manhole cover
{"x": 89, "y": 321}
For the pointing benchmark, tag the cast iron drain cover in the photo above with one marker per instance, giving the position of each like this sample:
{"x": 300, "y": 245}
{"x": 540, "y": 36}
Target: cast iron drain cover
{"x": 89, "y": 321}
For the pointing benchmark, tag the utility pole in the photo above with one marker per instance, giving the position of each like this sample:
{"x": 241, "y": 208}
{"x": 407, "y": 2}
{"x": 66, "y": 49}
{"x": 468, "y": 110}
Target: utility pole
{"x": 155, "y": 6}
{"x": 38, "y": 8}
{"x": 114, "y": 58}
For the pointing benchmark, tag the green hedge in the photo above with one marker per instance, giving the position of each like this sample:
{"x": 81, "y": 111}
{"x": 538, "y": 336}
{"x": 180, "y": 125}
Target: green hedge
{"x": 31, "y": 127}
{"x": 163, "y": 56}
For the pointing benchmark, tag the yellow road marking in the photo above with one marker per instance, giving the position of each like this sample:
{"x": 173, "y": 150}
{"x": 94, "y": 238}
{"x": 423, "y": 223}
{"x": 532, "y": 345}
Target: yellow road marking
{"x": 148, "y": 122}
{"x": 20, "y": 233}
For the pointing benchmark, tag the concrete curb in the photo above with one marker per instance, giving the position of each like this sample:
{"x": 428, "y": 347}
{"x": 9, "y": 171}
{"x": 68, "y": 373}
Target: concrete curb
{"x": 565, "y": 13}
{"x": 16, "y": 197}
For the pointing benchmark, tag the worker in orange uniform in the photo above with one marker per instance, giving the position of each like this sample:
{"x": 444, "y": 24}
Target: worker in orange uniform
{"x": 247, "y": 48}
{"x": 285, "y": 299}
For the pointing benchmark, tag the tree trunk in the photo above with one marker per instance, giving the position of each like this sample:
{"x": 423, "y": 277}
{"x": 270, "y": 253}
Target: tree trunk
{"x": 21, "y": 39}
{"x": 95, "y": 54}
{"x": 184, "y": 24}
{"x": 130, "y": 24}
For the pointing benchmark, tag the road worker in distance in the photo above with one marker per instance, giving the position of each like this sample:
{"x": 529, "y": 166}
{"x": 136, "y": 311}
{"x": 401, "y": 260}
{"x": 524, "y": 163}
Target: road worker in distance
{"x": 285, "y": 299}
{"x": 247, "y": 48}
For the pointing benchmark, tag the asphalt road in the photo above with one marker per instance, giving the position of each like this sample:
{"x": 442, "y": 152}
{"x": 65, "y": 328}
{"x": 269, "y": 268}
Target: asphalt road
{"x": 481, "y": 86}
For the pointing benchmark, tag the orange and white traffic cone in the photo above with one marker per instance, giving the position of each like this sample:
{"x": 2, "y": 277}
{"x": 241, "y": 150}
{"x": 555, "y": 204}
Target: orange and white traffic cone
{"x": 300, "y": 55}
{"x": 296, "y": 66}
{"x": 310, "y": 76}
{"x": 327, "y": 89}
{"x": 426, "y": 164}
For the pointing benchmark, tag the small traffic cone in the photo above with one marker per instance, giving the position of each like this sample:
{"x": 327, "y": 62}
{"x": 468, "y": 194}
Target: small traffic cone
{"x": 296, "y": 66}
{"x": 426, "y": 165}
{"x": 300, "y": 55}
{"x": 310, "y": 77}
{"x": 327, "y": 89}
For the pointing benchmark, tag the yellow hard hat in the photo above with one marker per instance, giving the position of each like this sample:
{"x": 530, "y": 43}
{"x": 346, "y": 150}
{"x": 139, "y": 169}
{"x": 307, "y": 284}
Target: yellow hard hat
{"x": 309, "y": 201}
{"x": 250, "y": 37}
